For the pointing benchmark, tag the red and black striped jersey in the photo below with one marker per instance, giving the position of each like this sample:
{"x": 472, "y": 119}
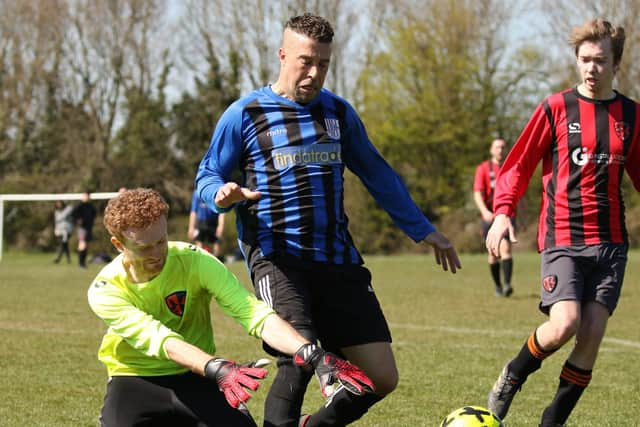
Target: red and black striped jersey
{"x": 485, "y": 180}
{"x": 584, "y": 145}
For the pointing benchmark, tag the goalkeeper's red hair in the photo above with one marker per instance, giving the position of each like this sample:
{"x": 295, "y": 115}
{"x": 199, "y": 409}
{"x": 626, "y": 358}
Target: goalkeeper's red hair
{"x": 134, "y": 209}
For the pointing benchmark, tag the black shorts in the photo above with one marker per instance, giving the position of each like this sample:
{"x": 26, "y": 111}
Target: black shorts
{"x": 172, "y": 400}
{"x": 206, "y": 233}
{"x": 335, "y": 304}
{"x": 582, "y": 273}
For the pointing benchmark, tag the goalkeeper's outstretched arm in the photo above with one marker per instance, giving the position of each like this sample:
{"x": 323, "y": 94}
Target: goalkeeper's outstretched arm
{"x": 232, "y": 378}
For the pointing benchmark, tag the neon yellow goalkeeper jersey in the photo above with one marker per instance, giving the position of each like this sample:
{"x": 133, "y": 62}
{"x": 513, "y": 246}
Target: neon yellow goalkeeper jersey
{"x": 176, "y": 303}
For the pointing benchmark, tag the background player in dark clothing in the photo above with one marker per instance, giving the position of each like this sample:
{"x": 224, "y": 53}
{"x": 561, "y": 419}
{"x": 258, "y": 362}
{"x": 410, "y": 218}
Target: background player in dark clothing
{"x": 205, "y": 226}
{"x": 585, "y": 136}
{"x": 84, "y": 214}
{"x": 292, "y": 141}
{"x": 483, "y": 187}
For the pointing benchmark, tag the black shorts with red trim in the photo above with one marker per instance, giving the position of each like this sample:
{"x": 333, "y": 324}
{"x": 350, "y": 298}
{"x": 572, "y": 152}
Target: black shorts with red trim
{"x": 335, "y": 304}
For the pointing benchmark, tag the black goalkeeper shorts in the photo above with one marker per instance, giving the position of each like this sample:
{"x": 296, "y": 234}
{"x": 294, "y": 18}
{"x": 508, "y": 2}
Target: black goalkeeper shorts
{"x": 171, "y": 400}
{"x": 335, "y": 304}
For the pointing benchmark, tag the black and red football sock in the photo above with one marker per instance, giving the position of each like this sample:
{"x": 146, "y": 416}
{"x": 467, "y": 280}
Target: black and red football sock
{"x": 507, "y": 269}
{"x": 495, "y": 274}
{"x": 529, "y": 359}
{"x": 573, "y": 381}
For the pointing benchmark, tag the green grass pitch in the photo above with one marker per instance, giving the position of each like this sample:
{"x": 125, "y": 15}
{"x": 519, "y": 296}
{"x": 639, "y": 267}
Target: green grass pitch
{"x": 451, "y": 338}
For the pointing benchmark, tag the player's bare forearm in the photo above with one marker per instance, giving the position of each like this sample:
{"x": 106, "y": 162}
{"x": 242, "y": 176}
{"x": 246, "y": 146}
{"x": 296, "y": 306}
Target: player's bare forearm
{"x": 192, "y": 225}
{"x": 187, "y": 355}
{"x": 280, "y": 335}
{"x": 486, "y": 214}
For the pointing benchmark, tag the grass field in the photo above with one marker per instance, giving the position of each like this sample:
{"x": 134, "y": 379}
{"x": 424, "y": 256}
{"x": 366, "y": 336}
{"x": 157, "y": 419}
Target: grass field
{"x": 451, "y": 338}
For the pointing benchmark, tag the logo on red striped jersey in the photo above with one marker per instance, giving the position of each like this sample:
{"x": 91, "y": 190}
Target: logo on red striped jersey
{"x": 549, "y": 283}
{"x": 579, "y": 156}
{"x": 574, "y": 127}
{"x": 623, "y": 130}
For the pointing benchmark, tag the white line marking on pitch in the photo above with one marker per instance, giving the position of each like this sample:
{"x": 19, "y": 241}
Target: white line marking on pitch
{"x": 457, "y": 330}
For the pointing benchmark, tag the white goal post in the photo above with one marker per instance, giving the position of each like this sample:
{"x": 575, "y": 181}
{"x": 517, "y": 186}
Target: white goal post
{"x": 43, "y": 198}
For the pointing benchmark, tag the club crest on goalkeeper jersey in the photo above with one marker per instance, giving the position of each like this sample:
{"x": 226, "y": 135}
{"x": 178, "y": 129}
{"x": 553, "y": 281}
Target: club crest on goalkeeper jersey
{"x": 295, "y": 156}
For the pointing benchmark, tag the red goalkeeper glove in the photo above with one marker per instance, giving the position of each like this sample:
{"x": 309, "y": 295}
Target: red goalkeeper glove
{"x": 331, "y": 369}
{"x": 232, "y": 379}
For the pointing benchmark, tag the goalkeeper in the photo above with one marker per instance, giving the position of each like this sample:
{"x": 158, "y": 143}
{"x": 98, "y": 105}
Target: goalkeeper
{"x": 159, "y": 349}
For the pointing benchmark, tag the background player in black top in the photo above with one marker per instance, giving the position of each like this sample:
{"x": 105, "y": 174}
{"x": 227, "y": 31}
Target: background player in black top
{"x": 84, "y": 214}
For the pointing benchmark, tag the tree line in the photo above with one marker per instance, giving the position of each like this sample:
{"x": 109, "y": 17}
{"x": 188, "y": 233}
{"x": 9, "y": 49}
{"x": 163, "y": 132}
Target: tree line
{"x": 106, "y": 94}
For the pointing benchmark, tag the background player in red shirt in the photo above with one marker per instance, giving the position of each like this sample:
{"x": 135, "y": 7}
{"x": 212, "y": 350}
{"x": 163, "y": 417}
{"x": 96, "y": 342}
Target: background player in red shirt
{"x": 483, "y": 186}
{"x": 586, "y": 137}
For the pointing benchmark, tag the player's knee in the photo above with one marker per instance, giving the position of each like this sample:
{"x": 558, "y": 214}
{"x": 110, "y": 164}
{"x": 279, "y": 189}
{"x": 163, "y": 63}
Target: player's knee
{"x": 563, "y": 331}
{"x": 386, "y": 381}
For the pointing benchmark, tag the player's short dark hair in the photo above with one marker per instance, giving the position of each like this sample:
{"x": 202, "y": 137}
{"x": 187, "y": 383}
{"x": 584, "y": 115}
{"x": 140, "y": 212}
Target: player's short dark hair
{"x": 313, "y": 26}
{"x": 138, "y": 209}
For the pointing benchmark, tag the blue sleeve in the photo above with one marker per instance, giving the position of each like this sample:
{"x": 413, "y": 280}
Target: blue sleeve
{"x": 222, "y": 158}
{"x": 384, "y": 184}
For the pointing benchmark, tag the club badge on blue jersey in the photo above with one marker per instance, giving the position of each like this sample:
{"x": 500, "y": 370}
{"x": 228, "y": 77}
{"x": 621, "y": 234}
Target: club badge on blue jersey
{"x": 333, "y": 128}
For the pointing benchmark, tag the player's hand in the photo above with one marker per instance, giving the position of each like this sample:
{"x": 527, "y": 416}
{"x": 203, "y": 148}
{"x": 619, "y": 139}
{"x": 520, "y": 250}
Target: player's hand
{"x": 330, "y": 369}
{"x": 231, "y": 193}
{"x": 487, "y": 216}
{"x": 232, "y": 379}
{"x": 444, "y": 251}
{"x": 501, "y": 227}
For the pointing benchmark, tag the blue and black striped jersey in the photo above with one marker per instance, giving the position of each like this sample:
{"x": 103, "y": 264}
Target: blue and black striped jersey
{"x": 295, "y": 155}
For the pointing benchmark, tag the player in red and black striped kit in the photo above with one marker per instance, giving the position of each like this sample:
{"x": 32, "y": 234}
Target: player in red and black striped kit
{"x": 586, "y": 137}
{"x": 483, "y": 187}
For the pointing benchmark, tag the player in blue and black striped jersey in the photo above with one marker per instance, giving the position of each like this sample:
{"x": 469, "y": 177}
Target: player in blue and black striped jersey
{"x": 292, "y": 141}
